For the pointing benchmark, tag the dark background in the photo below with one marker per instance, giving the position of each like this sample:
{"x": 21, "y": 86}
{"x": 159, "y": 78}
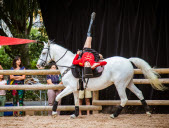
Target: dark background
{"x": 128, "y": 28}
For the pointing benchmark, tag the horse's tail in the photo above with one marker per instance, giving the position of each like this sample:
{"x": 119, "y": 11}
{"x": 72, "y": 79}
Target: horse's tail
{"x": 149, "y": 73}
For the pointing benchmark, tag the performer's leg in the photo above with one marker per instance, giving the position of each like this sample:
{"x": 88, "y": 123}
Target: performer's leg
{"x": 88, "y": 42}
{"x": 101, "y": 63}
{"x": 95, "y": 65}
{"x": 89, "y": 33}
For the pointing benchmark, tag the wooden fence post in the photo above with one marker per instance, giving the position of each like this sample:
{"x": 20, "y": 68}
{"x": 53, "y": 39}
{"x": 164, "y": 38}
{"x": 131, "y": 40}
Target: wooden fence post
{"x": 95, "y": 97}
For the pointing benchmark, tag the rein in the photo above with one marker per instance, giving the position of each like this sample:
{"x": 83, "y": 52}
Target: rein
{"x": 62, "y": 56}
{"x": 60, "y": 59}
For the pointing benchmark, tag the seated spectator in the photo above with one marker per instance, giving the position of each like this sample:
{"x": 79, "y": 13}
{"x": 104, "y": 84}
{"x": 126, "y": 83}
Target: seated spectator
{"x": 53, "y": 79}
{"x": 2, "y": 92}
{"x": 17, "y": 80}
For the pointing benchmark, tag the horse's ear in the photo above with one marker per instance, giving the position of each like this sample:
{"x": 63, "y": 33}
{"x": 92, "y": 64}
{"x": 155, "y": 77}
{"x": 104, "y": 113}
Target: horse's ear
{"x": 44, "y": 43}
{"x": 48, "y": 42}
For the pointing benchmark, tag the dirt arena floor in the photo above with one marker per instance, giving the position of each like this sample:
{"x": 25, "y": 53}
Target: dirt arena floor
{"x": 93, "y": 121}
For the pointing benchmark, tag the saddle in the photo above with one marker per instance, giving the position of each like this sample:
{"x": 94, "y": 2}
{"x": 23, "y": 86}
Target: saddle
{"x": 77, "y": 72}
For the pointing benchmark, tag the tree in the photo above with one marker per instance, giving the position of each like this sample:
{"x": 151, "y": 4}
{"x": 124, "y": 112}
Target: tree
{"x": 18, "y": 16}
{"x": 5, "y": 59}
{"x": 33, "y": 53}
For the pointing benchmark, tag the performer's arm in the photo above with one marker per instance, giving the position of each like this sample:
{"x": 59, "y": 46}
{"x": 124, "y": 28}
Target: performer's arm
{"x": 75, "y": 60}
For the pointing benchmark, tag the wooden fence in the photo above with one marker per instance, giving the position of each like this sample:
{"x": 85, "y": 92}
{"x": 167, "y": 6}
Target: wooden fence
{"x": 97, "y": 104}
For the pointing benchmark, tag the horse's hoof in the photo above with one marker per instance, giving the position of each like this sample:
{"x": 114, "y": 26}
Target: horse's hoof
{"x": 148, "y": 114}
{"x": 54, "y": 114}
{"x": 73, "y": 116}
{"x": 112, "y": 116}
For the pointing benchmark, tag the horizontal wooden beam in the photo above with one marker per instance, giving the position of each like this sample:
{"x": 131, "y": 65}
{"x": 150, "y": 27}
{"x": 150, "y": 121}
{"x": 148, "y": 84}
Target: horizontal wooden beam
{"x": 31, "y": 87}
{"x": 130, "y": 102}
{"x": 55, "y": 72}
{"x": 29, "y": 72}
{"x": 159, "y": 70}
{"x": 49, "y": 108}
{"x": 59, "y": 86}
{"x": 146, "y": 81}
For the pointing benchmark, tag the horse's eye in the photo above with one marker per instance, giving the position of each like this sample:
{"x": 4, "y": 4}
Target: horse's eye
{"x": 44, "y": 53}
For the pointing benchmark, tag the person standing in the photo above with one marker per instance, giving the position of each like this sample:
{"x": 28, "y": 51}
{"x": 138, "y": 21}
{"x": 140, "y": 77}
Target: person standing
{"x": 2, "y": 92}
{"x": 18, "y": 95}
{"x": 53, "y": 79}
{"x": 87, "y": 95}
{"x": 1, "y": 67}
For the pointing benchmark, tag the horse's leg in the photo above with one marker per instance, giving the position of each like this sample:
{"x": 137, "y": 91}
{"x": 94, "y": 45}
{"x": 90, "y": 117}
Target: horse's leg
{"x": 122, "y": 94}
{"x": 65, "y": 92}
{"x": 139, "y": 94}
{"x": 76, "y": 101}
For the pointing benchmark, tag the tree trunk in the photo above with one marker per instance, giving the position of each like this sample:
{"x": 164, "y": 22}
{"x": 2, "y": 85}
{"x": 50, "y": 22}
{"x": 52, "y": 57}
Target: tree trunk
{"x": 25, "y": 56}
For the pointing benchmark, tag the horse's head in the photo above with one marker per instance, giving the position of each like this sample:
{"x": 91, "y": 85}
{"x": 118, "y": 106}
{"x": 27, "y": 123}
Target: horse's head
{"x": 45, "y": 56}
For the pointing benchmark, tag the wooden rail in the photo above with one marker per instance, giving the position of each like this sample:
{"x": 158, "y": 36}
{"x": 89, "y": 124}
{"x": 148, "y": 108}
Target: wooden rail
{"x": 49, "y": 108}
{"x": 29, "y": 72}
{"x": 55, "y": 72}
{"x": 59, "y": 86}
{"x": 146, "y": 81}
{"x": 159, "y": 70}
{"x": 31, "y": 87}
{"x": 130, "y": 102}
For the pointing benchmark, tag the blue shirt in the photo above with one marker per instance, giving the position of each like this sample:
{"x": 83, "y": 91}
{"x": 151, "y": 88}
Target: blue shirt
{"x": 18, "y": 81}
{"x": 56, "y": 79}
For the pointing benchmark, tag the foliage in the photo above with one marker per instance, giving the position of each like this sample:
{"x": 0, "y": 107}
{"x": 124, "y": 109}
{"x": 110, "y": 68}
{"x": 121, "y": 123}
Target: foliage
{"x": 33, "y": 53}
{"x": 5, "y": 59}
{"x": 18, "y": 16}
{"x": 29, "y": 95}
{"x": 35, "y": 49}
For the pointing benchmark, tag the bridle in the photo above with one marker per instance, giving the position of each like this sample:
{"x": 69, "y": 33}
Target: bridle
{"x": 45, "y": 61}
{"x": 48, "y": 54}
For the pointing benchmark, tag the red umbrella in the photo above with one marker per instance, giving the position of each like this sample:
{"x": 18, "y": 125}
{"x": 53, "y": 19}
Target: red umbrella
{"x": 14, "y": 41}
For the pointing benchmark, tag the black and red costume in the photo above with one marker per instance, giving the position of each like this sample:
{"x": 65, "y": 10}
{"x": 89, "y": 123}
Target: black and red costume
{"x": 87, "y": 56}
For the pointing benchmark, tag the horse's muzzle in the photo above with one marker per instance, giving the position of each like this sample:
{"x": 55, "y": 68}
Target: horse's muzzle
{"x": 39, "y": 67}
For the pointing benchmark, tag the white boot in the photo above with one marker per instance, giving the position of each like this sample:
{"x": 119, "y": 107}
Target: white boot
{"x": 112, "y": 116}
{"x": 54, "y": 113}
{"x": 148, "y": 114}
{"x": 73, "y": 116}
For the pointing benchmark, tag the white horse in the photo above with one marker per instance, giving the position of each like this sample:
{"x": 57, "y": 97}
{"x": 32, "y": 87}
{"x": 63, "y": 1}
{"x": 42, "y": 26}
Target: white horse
{"x": 118, "y": 70}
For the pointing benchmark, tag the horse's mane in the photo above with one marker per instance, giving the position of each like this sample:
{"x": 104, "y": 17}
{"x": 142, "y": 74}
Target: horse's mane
{"x": 53, "y": 42}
